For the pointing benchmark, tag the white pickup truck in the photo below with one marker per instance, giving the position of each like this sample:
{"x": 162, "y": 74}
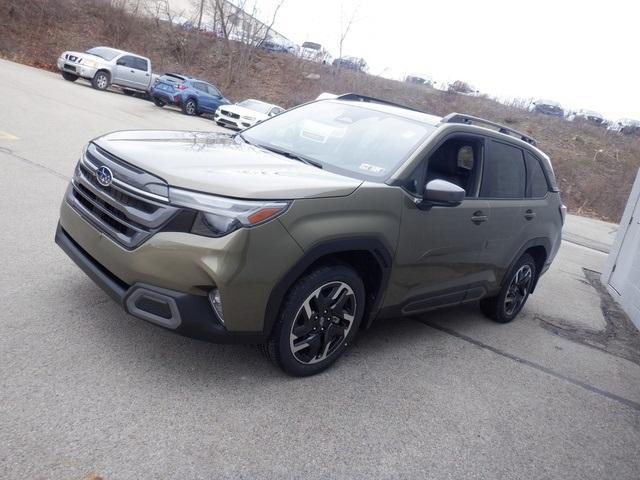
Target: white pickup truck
{"x": 105, "y": 66}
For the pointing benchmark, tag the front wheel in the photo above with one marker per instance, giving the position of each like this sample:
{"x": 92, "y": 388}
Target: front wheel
{"x": 69, "y": 77}
{"x": 100, "y": 81}
{"x": 319, "y": 319}
{"x": 514, "y": 293}
{"x": 190, "y": 107}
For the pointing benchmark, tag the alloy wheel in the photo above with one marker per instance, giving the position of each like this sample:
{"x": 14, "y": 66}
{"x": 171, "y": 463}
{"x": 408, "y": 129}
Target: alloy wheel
{"x": 518, "y": 290}
{"x": 102, "y": 81}
{"x": 190, "y": 107}
{"x": 322, "y": 322}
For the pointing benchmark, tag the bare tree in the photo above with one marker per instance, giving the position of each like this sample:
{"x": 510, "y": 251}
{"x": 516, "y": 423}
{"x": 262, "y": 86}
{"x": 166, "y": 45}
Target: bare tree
{"x": 345, "y": 26}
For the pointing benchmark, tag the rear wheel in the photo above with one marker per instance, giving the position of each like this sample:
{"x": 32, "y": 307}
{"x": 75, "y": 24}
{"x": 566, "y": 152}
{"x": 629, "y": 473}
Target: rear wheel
{"x": 158, "y": 102}
{"x": 515, "y": 291}
{"x": 319, "y": 318}
{"x": 190, "y": 107}
{"x": 69, "y": 77}
{"x": 100, "y": 81}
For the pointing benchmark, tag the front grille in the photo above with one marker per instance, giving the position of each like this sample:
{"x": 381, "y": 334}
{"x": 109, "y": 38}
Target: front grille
{"x": 124, "y": 210}
{"x": 229, "y": 114}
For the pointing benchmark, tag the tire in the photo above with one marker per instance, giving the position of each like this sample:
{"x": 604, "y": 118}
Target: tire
{"x": 190, "y": 107}
{"x": 128, "y": 93}
{"x": 158, "y": 102}
{"x": 69, "y": 77}
{"x": 293, "y": 345}
{"x": 515, "y": 291}
{"x": 100, "y": 81}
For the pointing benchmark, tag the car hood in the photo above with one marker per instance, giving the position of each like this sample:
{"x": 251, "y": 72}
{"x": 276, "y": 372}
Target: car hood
{"x": 220, "y": 164}
{"x": 242, "y": 111}
{"x": 84, "y": 56}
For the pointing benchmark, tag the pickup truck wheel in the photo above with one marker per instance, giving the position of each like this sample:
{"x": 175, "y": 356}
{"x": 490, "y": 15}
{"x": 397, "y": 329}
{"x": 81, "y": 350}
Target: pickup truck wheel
{"x": 319, "y": 318}
{"x": 128, "y": 93}
{"x": 70, "y": 77}
{"x": 190, "y": 107}
{"x": 515, "y": 291}
{"x": 100, "y": 81}
{"x": 158, "y": 102}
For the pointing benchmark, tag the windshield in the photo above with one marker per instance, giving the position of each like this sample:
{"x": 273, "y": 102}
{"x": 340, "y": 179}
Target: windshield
{"x": 311, "y": 45}
{"x": 256, "y": 105}
{"x": 104, "y": 52}
{"x": 345, "y": 138}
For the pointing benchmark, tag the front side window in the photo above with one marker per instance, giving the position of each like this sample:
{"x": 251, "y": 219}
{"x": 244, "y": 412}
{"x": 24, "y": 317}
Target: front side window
{"x": 343, "y": 137}
{"x": 504, "y": 174}
{"x": 126, "y": 61}
{"x": 140, "y": 64}
{"x": 213, "y": 91}
{"x": 456, "y": 161}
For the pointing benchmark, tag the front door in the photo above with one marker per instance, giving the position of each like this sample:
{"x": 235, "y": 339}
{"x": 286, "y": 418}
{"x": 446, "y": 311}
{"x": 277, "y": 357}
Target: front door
{"x": 438, "y": 260}
{"x": 626, "y": 272}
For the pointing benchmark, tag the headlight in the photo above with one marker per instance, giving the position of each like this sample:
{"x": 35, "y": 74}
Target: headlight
{"x": 90, "y": 63}
{"x": 251, "y": 119}
{"x": 218, "y": 216}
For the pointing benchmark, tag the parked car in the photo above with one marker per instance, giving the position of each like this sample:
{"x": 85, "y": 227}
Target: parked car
{"x": 547, "y": 107}
{"x": 418, "y": 80}
{"x": 276, "y": 46}
{"x": 245, "y": 114}
{"x": 351, "y": 63}
{"x": 625, "y": 125}
{"x": 587, "y": 116}
{"x": 463, "y": 88}
{"x": 193, "y": 96}
{"x": 105, "y": 66}
{"x": 300, "y": 231}
{"x": 315, "y": 52}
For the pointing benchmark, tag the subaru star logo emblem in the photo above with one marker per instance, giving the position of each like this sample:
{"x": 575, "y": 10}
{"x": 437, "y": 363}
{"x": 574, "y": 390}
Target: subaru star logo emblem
{"x": 104, "y": 176}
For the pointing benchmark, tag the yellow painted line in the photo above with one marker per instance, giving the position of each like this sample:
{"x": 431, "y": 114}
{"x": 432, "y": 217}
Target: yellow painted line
{"x": 7, "y": 136}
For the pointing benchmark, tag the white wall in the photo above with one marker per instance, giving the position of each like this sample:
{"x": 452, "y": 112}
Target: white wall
{"x": 621, "y": 274}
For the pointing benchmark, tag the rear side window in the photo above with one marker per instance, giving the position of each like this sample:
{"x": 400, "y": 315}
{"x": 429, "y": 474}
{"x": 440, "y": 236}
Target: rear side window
{"x": 537, "y": 186}
{"x": 140, "y": 64}
{"x": 504, "y": 174}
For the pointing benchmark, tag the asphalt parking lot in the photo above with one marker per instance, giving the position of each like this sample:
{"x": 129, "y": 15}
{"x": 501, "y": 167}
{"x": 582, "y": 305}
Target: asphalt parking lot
{"x": 86, "y": 389}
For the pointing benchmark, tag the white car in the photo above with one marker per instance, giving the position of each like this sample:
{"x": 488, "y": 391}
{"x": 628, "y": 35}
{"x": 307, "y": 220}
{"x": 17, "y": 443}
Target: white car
{"x": 245, "y": 114}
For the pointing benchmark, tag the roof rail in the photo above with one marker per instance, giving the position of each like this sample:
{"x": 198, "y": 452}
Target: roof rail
{"x": 470, "y": 120}
{"x": 364, "y": 98}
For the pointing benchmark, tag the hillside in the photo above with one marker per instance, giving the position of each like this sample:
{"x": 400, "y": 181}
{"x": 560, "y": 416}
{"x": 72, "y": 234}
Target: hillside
{"x": 595, "y": 168}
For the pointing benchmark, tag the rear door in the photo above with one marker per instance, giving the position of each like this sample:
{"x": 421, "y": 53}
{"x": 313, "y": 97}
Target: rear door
{"x": 132, "y": 71}
{"x": 504, "y": 181}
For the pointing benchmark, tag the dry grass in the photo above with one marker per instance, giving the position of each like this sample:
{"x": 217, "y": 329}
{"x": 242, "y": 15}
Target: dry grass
{"x": 595, "y": 168}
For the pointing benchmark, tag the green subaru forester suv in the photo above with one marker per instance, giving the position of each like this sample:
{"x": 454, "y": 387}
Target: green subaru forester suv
{"x": 302, "y": 230}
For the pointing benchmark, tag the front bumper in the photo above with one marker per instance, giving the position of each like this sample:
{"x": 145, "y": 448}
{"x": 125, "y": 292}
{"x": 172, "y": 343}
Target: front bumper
{"x": 170, "y": 274}
{"x": 183, "y": 313}
{"x": 235, "y": 123}
{"x": 75, "y": 68}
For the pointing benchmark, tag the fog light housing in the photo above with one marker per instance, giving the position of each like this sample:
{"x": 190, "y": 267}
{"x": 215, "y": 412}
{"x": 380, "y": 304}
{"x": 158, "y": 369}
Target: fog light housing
{"x": 216, "y": 303}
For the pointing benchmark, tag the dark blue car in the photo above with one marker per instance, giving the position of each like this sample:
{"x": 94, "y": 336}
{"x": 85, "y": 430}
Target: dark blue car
{"x": 193, "y": 96}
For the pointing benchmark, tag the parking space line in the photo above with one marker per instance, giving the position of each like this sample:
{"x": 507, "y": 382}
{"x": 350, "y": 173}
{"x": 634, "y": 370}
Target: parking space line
{"x": 7, "y": 136}
{"x": 548, "y": 371}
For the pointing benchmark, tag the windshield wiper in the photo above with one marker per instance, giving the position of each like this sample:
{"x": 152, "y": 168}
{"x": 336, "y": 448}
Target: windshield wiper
{"x": 294, "y": 156}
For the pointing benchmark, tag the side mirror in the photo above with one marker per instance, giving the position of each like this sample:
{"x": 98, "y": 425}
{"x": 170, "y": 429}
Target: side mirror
{"x": 442, "y": 193}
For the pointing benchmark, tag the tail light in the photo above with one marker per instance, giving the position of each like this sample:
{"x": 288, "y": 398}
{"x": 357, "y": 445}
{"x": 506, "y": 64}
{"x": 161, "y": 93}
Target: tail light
{"x": 182, "y": 86}
{"x": 563, "y": 213}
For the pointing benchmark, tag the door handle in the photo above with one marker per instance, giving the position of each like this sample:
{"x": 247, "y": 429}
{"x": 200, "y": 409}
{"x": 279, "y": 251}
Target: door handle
{"x": 478, "y": 217}
{"x": 529, "y": 215}
{"x": 133, "y": 71}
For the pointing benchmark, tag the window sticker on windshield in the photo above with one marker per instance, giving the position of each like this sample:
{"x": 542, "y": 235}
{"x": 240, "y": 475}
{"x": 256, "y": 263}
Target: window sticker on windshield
{"x": 371, "y": 168}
